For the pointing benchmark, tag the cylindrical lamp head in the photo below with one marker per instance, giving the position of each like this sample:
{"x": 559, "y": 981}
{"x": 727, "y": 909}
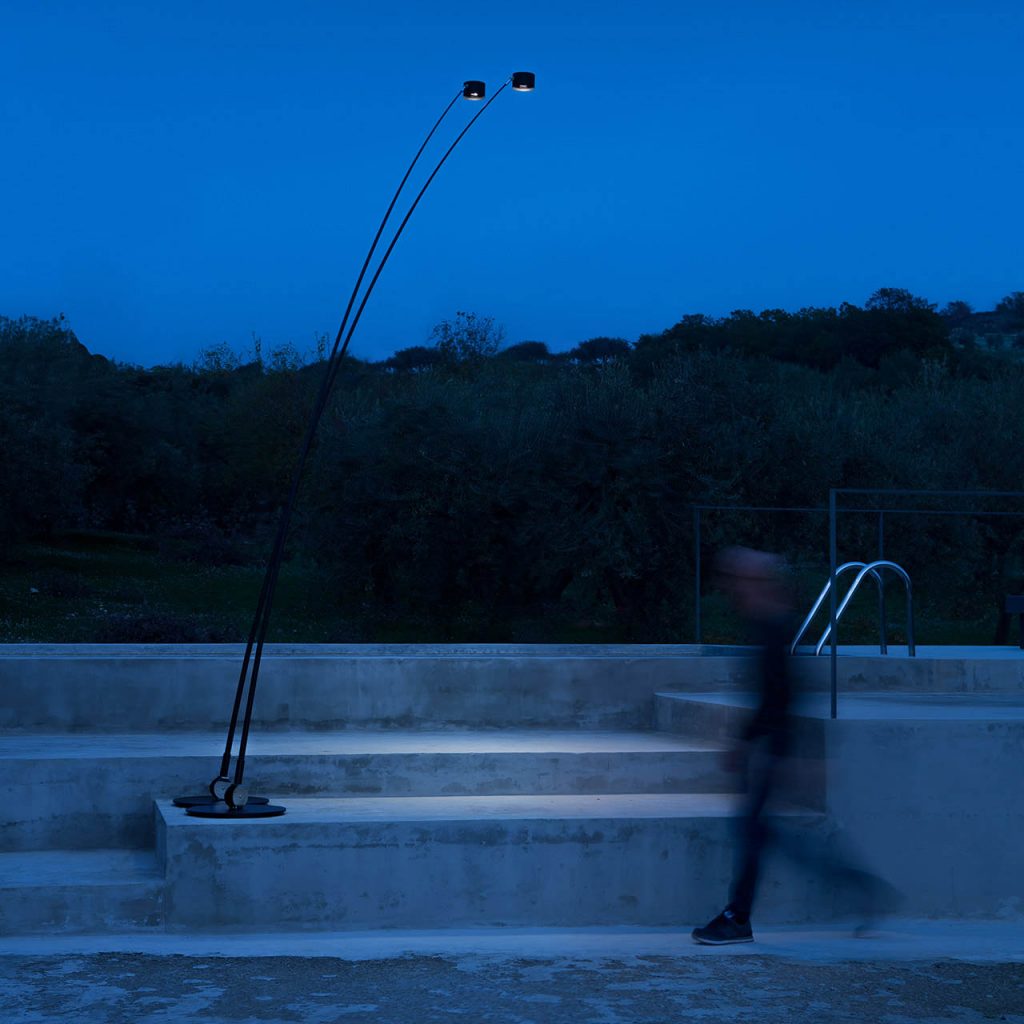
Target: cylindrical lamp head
{"x": 474, "y": 90}
{"x": 524, "y": 81}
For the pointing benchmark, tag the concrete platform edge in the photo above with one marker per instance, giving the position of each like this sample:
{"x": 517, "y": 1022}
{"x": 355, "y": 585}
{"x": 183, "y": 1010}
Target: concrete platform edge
{"x": 898, "y": 939}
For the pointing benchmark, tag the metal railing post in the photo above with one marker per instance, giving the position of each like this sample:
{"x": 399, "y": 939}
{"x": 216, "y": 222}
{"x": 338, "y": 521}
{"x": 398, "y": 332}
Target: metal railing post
{"x": 832, "y": 559}
{"x": 698, "y": 632}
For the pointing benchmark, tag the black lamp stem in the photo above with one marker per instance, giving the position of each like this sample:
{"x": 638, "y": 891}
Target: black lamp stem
{"x": 261, "y": 618}
{"x": 332, "y": 374}
{"x": 257, "y": 634}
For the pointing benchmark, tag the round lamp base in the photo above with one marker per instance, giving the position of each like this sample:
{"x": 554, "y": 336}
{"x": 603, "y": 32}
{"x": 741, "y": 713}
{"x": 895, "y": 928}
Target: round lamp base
{"x": 208, "y": 801}
{"x": 221, "y": 811}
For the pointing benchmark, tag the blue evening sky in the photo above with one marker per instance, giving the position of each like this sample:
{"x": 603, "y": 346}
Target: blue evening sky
{"x": 181, "y": 174}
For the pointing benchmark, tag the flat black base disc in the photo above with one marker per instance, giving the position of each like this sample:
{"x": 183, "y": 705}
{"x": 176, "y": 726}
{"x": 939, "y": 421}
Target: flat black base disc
{"x": 209, "y": 801}
{"x": 225, "y": 813}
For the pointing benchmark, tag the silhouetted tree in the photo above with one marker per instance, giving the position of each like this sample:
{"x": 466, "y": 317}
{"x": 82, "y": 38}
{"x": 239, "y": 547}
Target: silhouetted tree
{"x": 527, "y": 352}
{"x": 897, "y": 300}
{"x": 414, "y": 359}
{"x": 1011, "y": 309}
{"x": 468, "y": 337}
{"x": 599, "y": 351}
{"x": 956, "y": 312}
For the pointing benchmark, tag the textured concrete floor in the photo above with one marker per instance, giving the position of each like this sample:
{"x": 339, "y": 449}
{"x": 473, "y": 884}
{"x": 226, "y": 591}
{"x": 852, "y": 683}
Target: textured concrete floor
{"x": 126, "y": 988}
{"x": 910, "y": 971}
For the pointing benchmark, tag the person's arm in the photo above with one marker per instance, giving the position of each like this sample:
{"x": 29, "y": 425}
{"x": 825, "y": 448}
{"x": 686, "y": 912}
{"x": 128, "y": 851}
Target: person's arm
{"x": 773, "y": 673}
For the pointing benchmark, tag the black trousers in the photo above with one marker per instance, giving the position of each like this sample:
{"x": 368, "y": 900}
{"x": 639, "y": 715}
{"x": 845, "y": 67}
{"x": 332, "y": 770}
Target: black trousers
{"x": 753, "y": 830}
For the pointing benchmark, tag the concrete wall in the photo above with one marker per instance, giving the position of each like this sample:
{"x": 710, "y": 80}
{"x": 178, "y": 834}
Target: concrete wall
{"x": 337, "y": 866}
{"x": 924, "y": 791}
{"x": 190, "y": 687}
{"x": 129, "y": 688}
{"x": 936, "y": 807}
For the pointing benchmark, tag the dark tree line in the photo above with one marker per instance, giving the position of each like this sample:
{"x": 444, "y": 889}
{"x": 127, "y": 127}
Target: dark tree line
{"x": 489, "y": 492}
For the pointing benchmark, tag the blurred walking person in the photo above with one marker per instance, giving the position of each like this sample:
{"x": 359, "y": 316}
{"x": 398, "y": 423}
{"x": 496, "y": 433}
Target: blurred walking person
{"x": 755, "y": 582}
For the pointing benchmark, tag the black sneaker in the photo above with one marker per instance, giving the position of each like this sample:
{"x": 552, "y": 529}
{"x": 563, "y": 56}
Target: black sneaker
{"x": 723, "y": 930}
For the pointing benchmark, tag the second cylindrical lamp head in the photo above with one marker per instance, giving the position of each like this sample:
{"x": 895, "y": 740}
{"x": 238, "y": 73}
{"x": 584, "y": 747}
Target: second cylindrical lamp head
{"x": 522, "y": 81}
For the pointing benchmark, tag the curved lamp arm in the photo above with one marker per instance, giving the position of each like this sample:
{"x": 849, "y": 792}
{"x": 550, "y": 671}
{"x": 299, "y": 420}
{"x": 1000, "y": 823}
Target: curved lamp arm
{"x": 222, "y": 787}
{"x": 219, "y": 784}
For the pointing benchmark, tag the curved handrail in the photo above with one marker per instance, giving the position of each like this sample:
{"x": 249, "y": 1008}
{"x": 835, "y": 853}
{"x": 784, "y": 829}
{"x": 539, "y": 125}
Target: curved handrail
{"x": 873, "y": 567}
{"x": 845, "y": 567}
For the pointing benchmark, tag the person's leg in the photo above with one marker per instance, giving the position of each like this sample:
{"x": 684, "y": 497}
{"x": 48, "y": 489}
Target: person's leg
{"x": 858, "y": 891}
{"x": 733, "y": 924}
{"x": 753, "y": 833}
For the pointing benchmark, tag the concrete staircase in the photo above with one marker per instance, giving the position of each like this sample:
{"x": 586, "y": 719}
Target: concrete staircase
{"x": 425, "y": 788}
{"x": 392, "y": 821}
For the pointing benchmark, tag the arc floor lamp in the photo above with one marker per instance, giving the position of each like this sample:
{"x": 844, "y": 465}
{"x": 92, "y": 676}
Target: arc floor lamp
{"x": 228, "y": 796}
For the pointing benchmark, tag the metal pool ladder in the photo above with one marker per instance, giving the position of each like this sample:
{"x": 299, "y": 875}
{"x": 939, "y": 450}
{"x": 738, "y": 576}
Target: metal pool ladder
{"x": 874, "y": 569}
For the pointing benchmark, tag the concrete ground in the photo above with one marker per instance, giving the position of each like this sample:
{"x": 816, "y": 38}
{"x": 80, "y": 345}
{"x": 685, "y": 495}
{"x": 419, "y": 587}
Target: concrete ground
{"x": 910, "y": 971}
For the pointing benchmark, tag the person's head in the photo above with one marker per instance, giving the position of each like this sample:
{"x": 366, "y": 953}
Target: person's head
{"x": 754, "y": 581}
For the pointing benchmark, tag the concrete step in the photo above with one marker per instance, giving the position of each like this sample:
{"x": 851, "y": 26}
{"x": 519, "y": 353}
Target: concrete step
{"x": 433, "y": 862}
{"x": 145, "y": 687}
{"x": 51, "y": 892}
{"x": 703, "y": 714}
{"x": 88, "y": 791}
{"x": 720, "y": 718}
{"x": 129, "y": 688}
